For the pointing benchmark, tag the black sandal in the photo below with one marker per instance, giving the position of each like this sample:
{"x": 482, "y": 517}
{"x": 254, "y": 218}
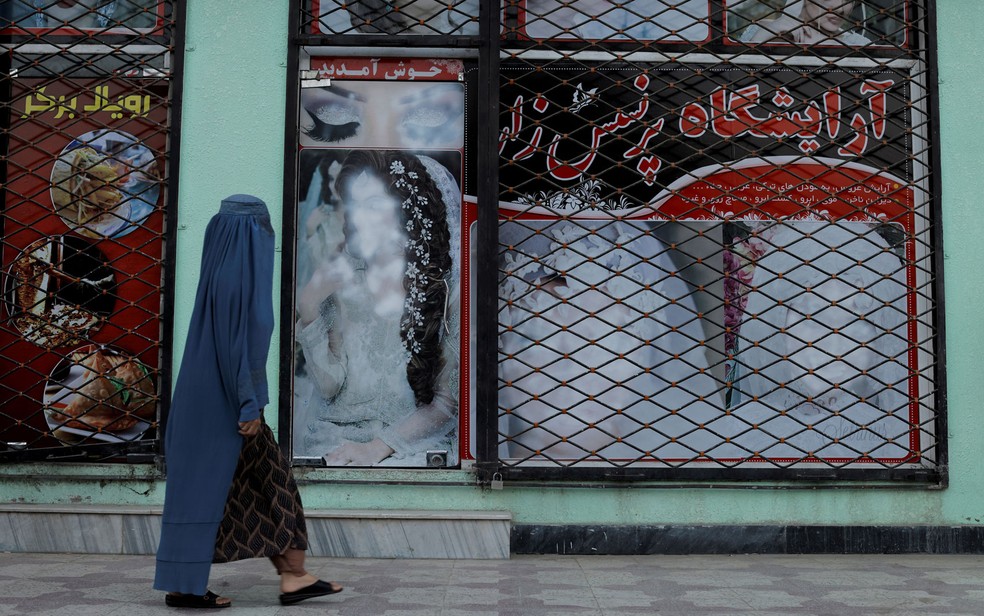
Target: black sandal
{"x": 318, "y": 589}
{"x": 208, "y": 601}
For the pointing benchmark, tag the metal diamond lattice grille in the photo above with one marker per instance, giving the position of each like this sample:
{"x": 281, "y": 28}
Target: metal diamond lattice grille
{"x": 86, "y": 93}
{"x": 410, "y": 17}
{"x": 717, "y": 240}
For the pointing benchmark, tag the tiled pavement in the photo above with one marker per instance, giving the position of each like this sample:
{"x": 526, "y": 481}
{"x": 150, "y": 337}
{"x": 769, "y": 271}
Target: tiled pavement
{"x": 923, "y": 585}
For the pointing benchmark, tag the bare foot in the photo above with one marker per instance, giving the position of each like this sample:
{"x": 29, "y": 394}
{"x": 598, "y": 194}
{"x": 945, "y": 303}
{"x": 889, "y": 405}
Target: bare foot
{"x": 318, "y": 588}
{"x": 290, "y": 582}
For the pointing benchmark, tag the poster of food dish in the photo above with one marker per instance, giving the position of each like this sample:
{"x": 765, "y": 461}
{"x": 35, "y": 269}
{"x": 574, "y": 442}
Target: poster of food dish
{"x": 766, "y": 207}
{"x": 378, "y": 374}
{"x": 59, "y": 290}
{"x": 105, "y": 183}
{"x": 98, "y": 393}
{"x": 81, "y": 261}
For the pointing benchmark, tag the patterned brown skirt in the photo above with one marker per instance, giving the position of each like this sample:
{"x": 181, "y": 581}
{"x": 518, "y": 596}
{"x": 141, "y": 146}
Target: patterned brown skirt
{"x": 263, "y": 514}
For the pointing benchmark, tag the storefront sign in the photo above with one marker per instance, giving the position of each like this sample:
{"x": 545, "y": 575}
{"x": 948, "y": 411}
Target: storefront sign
{"x": 378, "y": 371}
{"x": 82, "y": 230}
{"x": 707, "y": 264}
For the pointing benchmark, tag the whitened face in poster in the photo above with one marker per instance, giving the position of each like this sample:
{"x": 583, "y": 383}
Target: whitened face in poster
{"x": 396, "y": 114}
{"x": 645, "y": 20}
{"x": 457, "y": 17}
{"x": 603, "y": 352}
{"x": 853, "y": 23}
{"x": 83, "y": 15}
{"x": 377, "y": 332}
{"x": 821, "y": 362}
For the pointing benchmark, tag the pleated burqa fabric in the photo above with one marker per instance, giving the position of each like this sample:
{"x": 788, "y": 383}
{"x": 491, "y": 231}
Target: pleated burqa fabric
{"x": 222, "y": 381}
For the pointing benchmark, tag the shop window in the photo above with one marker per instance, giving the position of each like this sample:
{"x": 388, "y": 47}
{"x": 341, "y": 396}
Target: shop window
{"x": 86, "y": 115}
{"x": 718, "y": 249}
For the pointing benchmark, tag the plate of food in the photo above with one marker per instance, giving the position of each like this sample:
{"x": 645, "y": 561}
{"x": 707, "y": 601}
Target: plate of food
{"x": 99, "y": 393}
{"x": 58, "y": 290}
{"x": 105, "y": 183}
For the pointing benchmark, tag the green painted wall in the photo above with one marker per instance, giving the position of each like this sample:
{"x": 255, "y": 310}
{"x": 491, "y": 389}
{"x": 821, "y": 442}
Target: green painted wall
{"x": 232, "y": 141}
{"x": 961, "y": 104}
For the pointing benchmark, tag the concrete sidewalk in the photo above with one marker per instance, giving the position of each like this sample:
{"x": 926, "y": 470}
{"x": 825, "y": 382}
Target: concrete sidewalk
{"x": 923, "y": 585}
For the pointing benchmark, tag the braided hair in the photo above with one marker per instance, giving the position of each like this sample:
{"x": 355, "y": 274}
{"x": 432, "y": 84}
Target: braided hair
{"x": 423, "y": 213}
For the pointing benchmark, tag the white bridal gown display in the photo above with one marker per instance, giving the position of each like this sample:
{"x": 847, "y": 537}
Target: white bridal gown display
{"x": 822, "y": 364}
{"x": 582, "y": 367}
{"x": 353, "y": 386}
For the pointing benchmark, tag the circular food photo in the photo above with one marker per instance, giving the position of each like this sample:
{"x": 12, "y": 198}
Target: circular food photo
{"x": 99, "y": 393}
{"x": 58, "y": 290}
{"x": 105, "y": 183}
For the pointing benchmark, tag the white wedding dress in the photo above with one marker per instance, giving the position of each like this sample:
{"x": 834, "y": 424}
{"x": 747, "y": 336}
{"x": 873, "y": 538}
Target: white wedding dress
{"x": 822, "y": 361}
{"x": 610, "y": 373}
{"x": 352, "y": 386}
{"x": 359, "y": 391}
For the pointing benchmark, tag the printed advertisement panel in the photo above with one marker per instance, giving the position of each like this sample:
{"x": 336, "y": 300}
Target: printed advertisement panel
{"x": 819, "y": 23}
{"x": 379, "y": 376}
{"x": 452, "y": 17}
{"x": 619, "y": 138}
{"x": 82, "y": 18}
{"x": 603, "y": 20}
{"x": 708, "y": 265}
{"x": 82, "y": 245}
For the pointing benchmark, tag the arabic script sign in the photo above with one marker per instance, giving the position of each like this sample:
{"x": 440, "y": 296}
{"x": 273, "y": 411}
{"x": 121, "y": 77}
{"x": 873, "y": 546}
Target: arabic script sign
{"x": 388, "y": 69}
{"x": 616, "y": 137}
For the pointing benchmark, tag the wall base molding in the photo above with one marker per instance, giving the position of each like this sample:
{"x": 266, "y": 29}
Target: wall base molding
{"x": 371, "y": 533}
{"x": 750, "y": 539}
{"x": 89, "y": 529}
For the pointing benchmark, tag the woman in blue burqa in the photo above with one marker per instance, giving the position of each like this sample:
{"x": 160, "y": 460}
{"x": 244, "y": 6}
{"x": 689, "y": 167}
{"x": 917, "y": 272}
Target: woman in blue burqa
{"x": 230, "y": 494}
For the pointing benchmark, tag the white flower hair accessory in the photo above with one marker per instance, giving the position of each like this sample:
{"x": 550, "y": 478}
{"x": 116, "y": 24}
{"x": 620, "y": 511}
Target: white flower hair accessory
{"x": 418, "y": 226}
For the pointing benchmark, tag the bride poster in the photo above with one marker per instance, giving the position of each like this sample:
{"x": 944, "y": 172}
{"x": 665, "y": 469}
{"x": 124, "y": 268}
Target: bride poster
{"x": 710, "y": 265}
{"x": 377, "y": 374}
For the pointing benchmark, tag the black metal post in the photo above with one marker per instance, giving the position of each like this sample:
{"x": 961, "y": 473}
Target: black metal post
{"x": 487, "y": 237}
{"x": 285, "y": 420}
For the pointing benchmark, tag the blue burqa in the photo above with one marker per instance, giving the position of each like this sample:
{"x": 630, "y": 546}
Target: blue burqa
{"x": 221, "y": 383}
